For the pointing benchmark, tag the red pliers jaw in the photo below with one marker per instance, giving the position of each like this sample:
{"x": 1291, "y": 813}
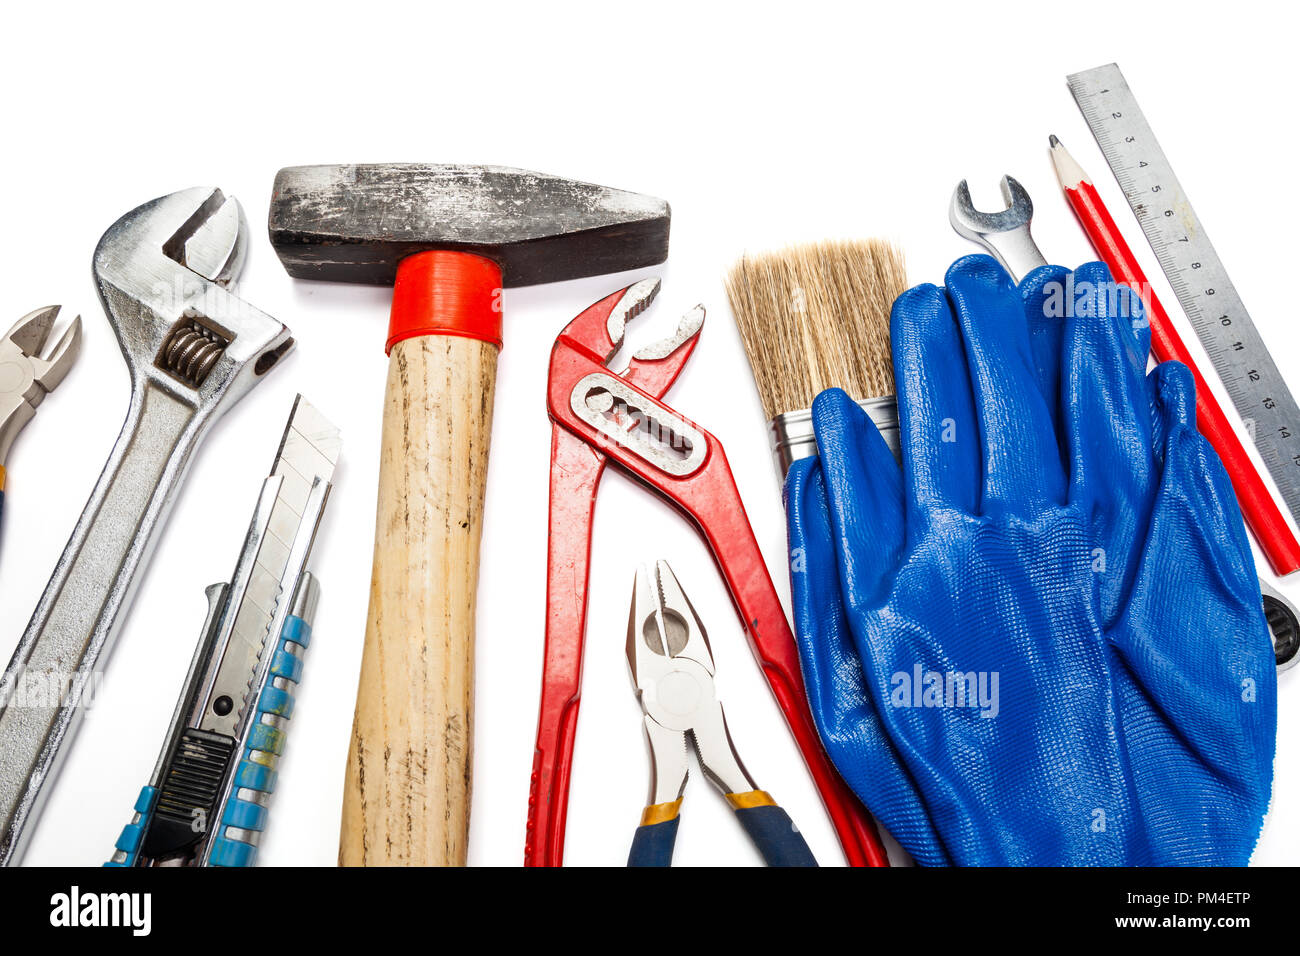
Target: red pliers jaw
{"x": 601, "y": 408}
{"x": 597, "y": 334}
{"x": 655, "y": 367}
{"x": 599, "y": 329}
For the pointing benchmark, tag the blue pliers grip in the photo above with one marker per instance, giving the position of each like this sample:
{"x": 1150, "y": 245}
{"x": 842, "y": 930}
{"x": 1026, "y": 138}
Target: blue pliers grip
{"x": 769, "y": 827}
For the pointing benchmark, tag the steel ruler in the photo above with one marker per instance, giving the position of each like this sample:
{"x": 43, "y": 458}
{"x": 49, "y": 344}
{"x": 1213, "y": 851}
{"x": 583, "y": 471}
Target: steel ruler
{"x": 1195, "y": 272}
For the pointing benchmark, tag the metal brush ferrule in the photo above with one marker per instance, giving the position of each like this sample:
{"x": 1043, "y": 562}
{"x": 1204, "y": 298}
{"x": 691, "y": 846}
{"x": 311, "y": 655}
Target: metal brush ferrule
{"x": 793, "y": 438}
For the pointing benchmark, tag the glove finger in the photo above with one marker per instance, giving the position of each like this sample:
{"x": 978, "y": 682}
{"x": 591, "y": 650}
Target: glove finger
{"x": 843, "y": 707}
{"x": 936, "y": 410}
{"x": 1195, "y": 488}
{"x": 1108, "y": 421}
{"x": 1201, "y": 702}
{"x": 1041, "y": 292}
{"x": 1022, "y": 458}
{"x": 864, "y": 488}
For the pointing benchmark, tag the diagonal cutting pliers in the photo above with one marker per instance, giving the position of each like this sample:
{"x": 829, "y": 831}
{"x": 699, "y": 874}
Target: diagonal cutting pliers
{"x": 672, "y": 668}
{"x": 26, "y": 377}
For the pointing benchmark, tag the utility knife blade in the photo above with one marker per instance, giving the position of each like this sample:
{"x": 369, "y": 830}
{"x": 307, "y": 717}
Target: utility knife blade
{"x": 206, "y": 801}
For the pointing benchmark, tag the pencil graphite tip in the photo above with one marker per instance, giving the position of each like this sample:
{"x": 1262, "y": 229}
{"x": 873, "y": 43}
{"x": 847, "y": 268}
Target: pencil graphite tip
{"x": 1053, "y": 141}
{"x": 1069, "y": 172}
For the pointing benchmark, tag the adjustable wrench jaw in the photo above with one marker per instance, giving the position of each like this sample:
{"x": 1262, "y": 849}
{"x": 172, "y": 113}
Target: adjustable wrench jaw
{"x": 162, "y": 271}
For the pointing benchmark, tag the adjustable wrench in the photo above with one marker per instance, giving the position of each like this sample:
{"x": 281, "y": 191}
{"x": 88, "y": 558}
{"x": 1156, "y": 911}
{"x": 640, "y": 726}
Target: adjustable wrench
{"x": 193, "y": 349}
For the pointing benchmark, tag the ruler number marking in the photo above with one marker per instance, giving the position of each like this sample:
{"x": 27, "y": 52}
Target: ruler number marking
{"x": 1194, "y": 271}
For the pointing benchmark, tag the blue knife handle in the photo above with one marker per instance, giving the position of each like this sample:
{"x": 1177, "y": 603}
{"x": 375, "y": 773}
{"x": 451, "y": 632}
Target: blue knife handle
{"x": 256, "y": 770}
{"x": 129, "y": 842}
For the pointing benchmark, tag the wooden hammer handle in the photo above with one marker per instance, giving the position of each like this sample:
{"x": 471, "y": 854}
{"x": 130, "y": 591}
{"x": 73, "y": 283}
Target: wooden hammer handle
{"x": 407, "y": 794}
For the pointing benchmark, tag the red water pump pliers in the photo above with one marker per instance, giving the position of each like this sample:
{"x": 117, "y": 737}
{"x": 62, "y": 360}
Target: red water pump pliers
{"x": 598, "y": 416}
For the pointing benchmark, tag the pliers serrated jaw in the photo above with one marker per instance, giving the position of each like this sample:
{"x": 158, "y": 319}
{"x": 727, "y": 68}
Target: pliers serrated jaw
{"x": 672, "y": 668}
{"x": 600, "y": 328}
{"x": 663, "y": 627}
{"x": 25, "y": 375}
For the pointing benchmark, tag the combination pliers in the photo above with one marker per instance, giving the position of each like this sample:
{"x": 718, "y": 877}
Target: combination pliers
{"x": 25, "y": 377}
{"x": 672, "y": 668}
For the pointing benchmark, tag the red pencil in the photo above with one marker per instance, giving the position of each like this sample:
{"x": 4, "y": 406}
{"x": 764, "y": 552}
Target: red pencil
{"x": 1260, "y": 510}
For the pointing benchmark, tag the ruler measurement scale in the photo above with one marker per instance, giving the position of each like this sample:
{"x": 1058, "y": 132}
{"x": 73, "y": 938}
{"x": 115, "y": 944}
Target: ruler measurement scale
{"x": 1195, "y": 273}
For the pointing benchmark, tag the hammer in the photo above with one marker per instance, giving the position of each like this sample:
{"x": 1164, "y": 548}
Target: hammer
{"x": 448, "y": 238}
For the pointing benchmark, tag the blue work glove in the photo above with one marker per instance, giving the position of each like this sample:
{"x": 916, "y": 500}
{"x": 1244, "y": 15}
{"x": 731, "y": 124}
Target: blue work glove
{"x": 1040, "y": 641}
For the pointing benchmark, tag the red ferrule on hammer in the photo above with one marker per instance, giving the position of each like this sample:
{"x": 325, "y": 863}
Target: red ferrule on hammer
{"x": 446, "y": 293}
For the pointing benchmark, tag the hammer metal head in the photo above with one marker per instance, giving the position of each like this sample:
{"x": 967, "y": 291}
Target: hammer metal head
{"x": 355, "y": 223}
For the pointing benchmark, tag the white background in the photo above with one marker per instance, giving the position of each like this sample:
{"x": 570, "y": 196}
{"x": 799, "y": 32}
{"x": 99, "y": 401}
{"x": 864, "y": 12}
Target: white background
{"x": 760, "y": 123}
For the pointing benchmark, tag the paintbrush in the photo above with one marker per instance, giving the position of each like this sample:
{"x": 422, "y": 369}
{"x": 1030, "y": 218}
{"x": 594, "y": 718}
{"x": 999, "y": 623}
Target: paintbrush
{"x": 816, "y": 316}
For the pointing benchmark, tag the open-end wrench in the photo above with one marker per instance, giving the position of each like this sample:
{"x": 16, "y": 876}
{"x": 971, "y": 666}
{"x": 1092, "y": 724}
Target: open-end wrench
{"x": 192, "y": 349}
{"x": 1004, "y": 234}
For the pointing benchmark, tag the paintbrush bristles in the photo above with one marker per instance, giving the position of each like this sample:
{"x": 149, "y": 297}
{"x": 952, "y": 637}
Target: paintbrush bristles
{"x": 816, "y": 316}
